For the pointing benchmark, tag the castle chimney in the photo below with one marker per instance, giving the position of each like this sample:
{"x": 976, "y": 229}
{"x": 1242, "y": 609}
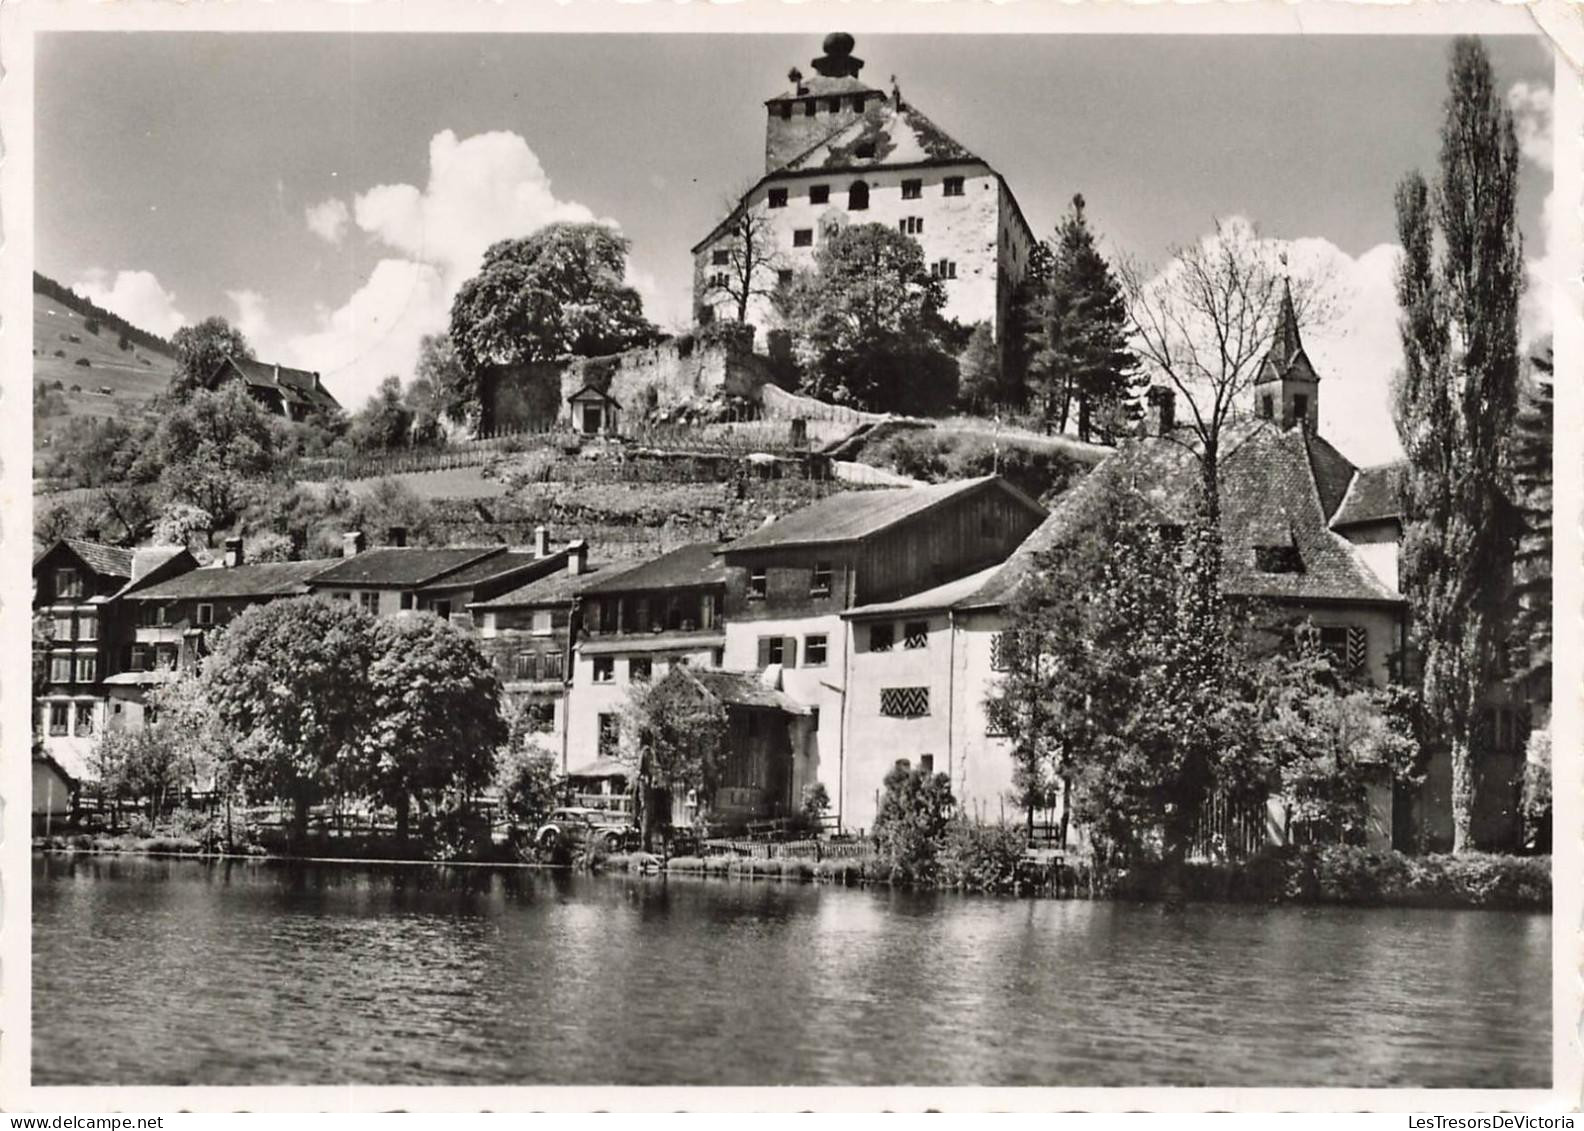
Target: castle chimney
{"x": 541, "y": 542}
{"x": 1162, "y": 410}
{"x": 233, "y": 553}
{"x": 577, "y": 558}
{"x": 396, "y": 536}
{"x": 351, "y": 543}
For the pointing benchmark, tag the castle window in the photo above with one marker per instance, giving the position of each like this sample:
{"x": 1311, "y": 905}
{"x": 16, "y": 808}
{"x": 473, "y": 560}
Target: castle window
{"x": 858, "y": 103}
{"x": 776, "y": 198}
{"x": 205, "y": 615}
{"x": 87, "y": 669}
{"x": 640, "y": 670}
{"x": 609, "y": 735}
{"x": 833, "y": 105}
{"x": 803, "y": 237}
{"x": 60, "y": 669}
{"x": 943, "y": 269}
{"x": 912, "y": 190}
{"x": 819, "y": 194}
{"x": 911, "y": 225}
{"x": 809, "y": 107}
{"x": 85, "y": 718}
{"x": 785, "y": 110}
{"x": 719, "y": 280}
{"x": 1300, "y": 407}
{"x": 857, "y": 196}
{"x": 952, "y": 186}
{"x": 720, "y": 257}
{"x": 784, "y": 277}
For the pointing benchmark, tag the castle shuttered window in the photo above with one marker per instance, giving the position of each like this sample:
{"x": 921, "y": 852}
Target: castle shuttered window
{"x": 720, "y": 257}
{"x": 1348, "y": 646}
{"x": 1000, "y": 653}
{"x": 952, "y": 186}
{"x": 819, "y": 194}
{"x": 904, "y": 702}
{"x": 778, "y": 650}
{"x": 776, "y": 198}
{"x": 912, "y": 190}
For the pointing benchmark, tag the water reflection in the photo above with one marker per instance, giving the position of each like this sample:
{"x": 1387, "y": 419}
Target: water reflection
{"x": 151, "y": 971}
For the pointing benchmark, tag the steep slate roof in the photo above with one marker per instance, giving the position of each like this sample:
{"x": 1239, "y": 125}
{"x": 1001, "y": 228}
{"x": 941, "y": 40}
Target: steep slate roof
{"x": 743, "y": 689}
{"x": 557, "y": 588}
{"x": 900, "y": 136}
{"x": 111, "y": 561}
{"x": 1286, "y": 357}
{"x": 403, "y": 566}
{"x": 688, "y": 567}
{"x": 941, "y": 597}
{"x": 259, "y": 579}
{"x": 296, "y": 386}
{"x": 1375, "y": 495}
{"x": 495, "y": 566}
{"x": 850, "y": 516}
{"x": 823, "y": 86}
{"x": 1270, "y": 493}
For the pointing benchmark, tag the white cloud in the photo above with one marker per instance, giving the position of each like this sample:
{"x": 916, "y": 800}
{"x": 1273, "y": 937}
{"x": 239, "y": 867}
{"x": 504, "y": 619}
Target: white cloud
{"x": 1532, "y": 116}
{"x": 251, "y": 318}
{"x": 328, "y": 219}
{"x": 481, "y": 189}
{"x": 136, "y": 296}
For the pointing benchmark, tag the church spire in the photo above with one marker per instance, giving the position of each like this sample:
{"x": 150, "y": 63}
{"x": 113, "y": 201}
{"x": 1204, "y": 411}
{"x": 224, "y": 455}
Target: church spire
{"x": 1288, "y": 344}
{"x": 1288, "y": 388}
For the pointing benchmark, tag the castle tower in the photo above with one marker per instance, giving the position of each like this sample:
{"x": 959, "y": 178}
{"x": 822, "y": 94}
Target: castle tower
{"x": 815, "y": 108}
{"x": 1287, "y": 389}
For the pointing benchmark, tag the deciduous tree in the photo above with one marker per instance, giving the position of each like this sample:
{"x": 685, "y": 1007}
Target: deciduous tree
{"x": 753, "y": 258}
{"x": 199, "y": 351}
{"x": 1455, "y": 402}
{"x": 675, "y": 740}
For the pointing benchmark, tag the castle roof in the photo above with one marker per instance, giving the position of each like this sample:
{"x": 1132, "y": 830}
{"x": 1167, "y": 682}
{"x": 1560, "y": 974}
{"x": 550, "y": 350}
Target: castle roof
{"x": 1374, "y": 495}
{"x": 885, "y": 135}
{"x": 1286, "y": 359}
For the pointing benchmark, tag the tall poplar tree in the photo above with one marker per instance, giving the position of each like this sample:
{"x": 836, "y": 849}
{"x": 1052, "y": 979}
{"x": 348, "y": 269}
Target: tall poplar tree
{"x": 1454, "y": 405}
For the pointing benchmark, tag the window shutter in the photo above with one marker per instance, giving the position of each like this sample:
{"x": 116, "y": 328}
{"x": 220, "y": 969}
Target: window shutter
{"x": 764, "y": 652}
{"x": 789, "y": 651}
{"x": 1357, "y": 647}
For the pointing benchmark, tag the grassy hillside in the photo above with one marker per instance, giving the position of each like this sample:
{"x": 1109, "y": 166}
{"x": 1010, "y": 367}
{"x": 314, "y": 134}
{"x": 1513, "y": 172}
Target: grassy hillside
{"x": 115, "y": 382}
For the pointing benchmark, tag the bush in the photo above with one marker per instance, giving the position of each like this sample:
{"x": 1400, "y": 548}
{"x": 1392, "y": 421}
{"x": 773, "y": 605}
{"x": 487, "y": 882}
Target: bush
{"x": 60, "y": 353}
{"x": 84, "y": 362}
{"x": 983, "y": 857}
{"x": 937, "y": 455}
{"x": 911, "y": 827}
{"x": 92, "y": 326}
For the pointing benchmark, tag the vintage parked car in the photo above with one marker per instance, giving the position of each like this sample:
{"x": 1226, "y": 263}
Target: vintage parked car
{"x": 613, "y": 831}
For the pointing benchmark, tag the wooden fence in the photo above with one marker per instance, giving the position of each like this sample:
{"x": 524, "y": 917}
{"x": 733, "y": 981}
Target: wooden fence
{"x": 1229, "y": 829}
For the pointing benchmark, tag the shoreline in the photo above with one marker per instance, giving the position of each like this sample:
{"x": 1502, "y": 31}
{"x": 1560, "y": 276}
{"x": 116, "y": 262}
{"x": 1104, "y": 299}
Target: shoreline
{"x": 1308, "y": 877}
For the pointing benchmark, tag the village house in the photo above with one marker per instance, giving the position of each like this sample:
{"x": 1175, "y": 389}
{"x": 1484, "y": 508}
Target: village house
{"x": 293, "y": 393}
{"x": 526, "y": 633}
{"x": 78, "y": 586}
{"x": 788, "y": 584}
{"x": 840, "y": 151}
{"x": 631, "y": 627}
{"x": 398, "y": 578}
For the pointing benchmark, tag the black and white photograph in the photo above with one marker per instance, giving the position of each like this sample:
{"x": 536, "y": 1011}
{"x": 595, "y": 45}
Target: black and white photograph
{"x": 809, "y": 553}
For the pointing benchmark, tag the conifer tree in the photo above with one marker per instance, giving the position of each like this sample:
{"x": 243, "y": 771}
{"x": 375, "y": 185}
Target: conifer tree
{"x": 1530, "y": 638}
{"x": 1455, "y": 402}
{"x": 1078, "y": 337}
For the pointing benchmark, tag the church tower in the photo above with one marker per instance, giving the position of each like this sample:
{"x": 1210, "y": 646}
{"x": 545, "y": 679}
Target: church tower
{"x": 817, "y": 107}
{"x": 1287, "y": 389}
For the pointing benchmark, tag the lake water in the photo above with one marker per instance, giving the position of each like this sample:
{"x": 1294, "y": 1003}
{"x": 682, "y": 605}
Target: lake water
{"x": 152, "y": 971}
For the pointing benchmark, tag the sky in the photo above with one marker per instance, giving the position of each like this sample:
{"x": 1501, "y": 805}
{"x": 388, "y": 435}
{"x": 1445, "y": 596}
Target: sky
{"x": 328, "y": 192}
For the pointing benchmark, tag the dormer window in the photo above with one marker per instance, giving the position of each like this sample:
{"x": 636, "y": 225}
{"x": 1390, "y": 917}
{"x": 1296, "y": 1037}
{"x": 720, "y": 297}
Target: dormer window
{"x": 1300, "y": 408}
{"x": 1277, "y": 559}
{"x": 68, "y": 584}
{"x": 864, "y": 151}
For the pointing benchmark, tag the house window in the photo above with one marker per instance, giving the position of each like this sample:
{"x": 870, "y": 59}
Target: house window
{"x": 527, "y": 665}
{"x": 904, "y": 702}
{"x": 952, "y": 186}
{"x": 784, "y": 277}
{"x": 943, "y": 269}
{"x": 442, "y": 609}
{"x": 803, "y": 237}
{"x": 541, "y": 622}
{"x": 911, "y": 225}
{"x": 915, "y": 634}
{"x": 912, "y": 190}
{"x": 604, "y": 669}
{"x": 60, "y": 669}
{"x": 778, "y": 650}
{"x": 369, "y": 602}
{"x": 819, "y": 194}
{"x": 205, "y": 615}
{"x": 87, "y": 626}
{"x": 927, "y": 763}
{"x": 707, "y": 611}
{"x": 858, "y": 103}
{"x": 87, "y": 668}
{"x": 1277, "y": 559}
{"x": 720, "y": 257}
{"x": 820, "y": 585}
{"x": 814, "y": 651}
{"x": 137, "y": 658}
{"x": 85, "y": 719}
{"x": 407, "y": 601}
{"x": 68, "y": 583}
{"x": 165, "y": 657}
{"x": 857, "y": 196}
{"x": 1267, "y": 407}
{"x": 1000, "y": 653}
{"x": 640, "y": 670}
{"x": 776, "y": 198}
{"x": 59, "y": 717}
{"x": 609, "y": 735}
{"x": 1300, "y": 407}
{"x": 881, "y": 637}
{"x": 1348, "y": 646}
{"x": 63, "y": 626}
{"x": 341, "y": 595}
{"x": 758, "y": 584}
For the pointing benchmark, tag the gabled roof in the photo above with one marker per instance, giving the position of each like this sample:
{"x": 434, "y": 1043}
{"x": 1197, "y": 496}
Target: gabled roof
{"x": 108, "y": 561}
{"x": 1269, "y": 489}
{"x": 257, "y": 579}
{"x": 295, "y": 386}
{"x": 557, "y": 588}
{"x": 743, "y": 689}
{"x": 623, "y": 643}
{"x": 688, "y": 567}
{"x": 898, "y": 135}
{"x": 944, "y": 596}
{"x": 1286, "y": 359}
{"x": 410, "y": 567}
{"x": 497, "y": 566}
{"x": 1374, "y": 495}
{"x": 590, "y": 392}
{"x": 851, "y": 516}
